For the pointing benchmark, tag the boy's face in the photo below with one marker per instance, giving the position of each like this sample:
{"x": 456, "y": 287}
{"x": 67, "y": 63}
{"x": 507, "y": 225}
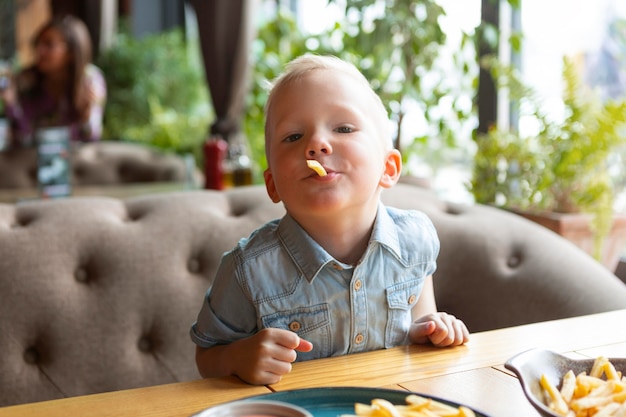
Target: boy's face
{"x": 332, "y": 118}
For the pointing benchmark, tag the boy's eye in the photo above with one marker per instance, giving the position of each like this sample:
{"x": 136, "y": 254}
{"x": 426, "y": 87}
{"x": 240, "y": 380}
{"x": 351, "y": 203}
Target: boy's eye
{"x": 293, "y": 138}
{"x": 344, "y": 129}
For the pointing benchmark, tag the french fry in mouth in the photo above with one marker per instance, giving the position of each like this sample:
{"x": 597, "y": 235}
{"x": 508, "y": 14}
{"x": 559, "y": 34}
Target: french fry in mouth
{"x": 317, "y": 167}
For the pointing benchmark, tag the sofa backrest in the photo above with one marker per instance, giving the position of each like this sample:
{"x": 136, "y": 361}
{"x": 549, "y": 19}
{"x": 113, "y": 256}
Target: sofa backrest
{"x": 98, "y": 294}
{"x": 100, "y": 163}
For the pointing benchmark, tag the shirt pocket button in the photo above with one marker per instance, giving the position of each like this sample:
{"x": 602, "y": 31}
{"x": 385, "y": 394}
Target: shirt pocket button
{"x": 412, "y": 299}
{"x": 295, "y": 326}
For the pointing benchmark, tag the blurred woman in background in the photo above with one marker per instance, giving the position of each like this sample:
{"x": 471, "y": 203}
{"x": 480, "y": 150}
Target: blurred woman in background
{"x": 61, "y": 88}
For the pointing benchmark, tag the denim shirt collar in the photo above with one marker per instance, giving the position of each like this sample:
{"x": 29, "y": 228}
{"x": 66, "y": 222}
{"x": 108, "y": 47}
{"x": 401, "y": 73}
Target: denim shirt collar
{"x": 311, "y": 258}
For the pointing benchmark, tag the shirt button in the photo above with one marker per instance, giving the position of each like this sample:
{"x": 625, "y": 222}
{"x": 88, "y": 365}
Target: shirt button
{"x": 358, "y": 339}
{"x": 337, "y": 266}
{"x": 412, "y": 299}
{"x": 294, "y": 326}
{"x": 358, "y": 284}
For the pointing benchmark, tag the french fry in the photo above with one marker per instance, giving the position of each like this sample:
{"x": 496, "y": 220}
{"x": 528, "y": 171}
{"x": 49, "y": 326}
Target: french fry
{"x": 568, "y": 386}
{"x": 417, "y": 402}
{"x": 556, "y": 401}
{"x": 619, "y": 393}
{"x": 317, "y": 167}
{"x": 598, "y": 366}
{"x": 387, "y": 409}
{"x": 610, "y": 372}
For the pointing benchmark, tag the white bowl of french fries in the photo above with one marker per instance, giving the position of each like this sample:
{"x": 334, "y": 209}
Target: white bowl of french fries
{"x": 558, "y": 386}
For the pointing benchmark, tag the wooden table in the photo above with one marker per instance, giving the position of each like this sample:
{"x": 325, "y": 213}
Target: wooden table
{"x": 472, "y": 374}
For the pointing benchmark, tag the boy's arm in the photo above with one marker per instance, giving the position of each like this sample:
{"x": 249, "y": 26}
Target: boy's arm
{"x": 260, "y": 359}
{"x": 426, "y": 303}
{"x": 429, "y": 326}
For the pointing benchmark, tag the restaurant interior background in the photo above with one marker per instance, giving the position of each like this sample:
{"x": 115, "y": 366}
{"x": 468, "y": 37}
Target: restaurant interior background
{"x": 593, "y": 33}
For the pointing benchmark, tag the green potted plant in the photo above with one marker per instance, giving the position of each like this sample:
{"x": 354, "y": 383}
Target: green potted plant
{"x": 170, "y": 108}
{"x": 562, "y": 169}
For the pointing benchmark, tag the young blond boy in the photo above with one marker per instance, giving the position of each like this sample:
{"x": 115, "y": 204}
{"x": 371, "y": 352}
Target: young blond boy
{"x": 340, "y": 273}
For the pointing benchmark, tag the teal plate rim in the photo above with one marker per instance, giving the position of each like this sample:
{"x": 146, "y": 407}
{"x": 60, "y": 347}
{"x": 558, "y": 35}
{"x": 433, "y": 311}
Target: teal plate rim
{"x": 337, "y": 401}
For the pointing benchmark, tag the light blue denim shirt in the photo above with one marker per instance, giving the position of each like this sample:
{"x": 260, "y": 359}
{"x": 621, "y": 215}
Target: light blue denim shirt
{"x": 280, "y": 277}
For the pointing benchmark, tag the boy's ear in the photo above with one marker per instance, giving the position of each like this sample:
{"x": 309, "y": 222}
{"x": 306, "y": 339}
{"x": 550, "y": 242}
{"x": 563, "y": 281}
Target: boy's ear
{"x": 393, "y": 169}
{"x": 270, "y": 186}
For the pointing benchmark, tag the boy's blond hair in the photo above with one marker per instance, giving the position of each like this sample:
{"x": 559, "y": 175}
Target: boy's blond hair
{"x": 307, "y": 63}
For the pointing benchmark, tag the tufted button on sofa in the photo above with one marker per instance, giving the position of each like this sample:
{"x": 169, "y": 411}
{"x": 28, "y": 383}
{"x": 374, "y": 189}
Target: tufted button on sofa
{"x": 97, "y": 294}
{"x": 99, "y": 163}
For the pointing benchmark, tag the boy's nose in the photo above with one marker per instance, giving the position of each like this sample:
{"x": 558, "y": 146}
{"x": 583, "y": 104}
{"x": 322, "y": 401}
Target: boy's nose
{"x": 318, "y": 145}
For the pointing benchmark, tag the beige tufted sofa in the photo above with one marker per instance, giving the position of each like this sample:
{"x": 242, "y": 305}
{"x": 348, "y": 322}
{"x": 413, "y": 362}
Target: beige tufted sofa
{"x": 99, "y": 163}
{"x": 97, "y": 294}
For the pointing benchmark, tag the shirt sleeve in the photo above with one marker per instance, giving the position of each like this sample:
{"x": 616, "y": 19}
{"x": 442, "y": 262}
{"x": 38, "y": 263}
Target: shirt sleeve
{"x": 227, "y": 314}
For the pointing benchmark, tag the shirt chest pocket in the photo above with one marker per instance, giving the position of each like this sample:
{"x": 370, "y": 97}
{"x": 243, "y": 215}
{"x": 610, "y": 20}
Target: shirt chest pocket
{"x": 310, "y": 323}
{"x": 401, "y": 298}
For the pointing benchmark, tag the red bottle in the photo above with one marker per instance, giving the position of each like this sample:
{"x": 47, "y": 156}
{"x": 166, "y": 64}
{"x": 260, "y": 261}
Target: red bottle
{"x": 215, "y": 152}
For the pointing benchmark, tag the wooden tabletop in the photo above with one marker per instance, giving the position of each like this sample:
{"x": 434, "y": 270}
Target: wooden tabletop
{"x": 472, "y": 374}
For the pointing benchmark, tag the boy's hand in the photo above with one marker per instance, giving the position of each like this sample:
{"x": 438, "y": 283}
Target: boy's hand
{"x": 265, "y": 357}
{"x": 440, "y": 329}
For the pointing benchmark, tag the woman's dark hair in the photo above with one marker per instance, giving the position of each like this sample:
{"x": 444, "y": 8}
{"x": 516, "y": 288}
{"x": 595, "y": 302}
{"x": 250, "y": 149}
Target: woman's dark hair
{"x": 79, "y": 47}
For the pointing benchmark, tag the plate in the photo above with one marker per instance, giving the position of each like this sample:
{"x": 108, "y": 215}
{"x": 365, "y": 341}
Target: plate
{"x": 333, "y": 402}
{"x": 531, "y": 364}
